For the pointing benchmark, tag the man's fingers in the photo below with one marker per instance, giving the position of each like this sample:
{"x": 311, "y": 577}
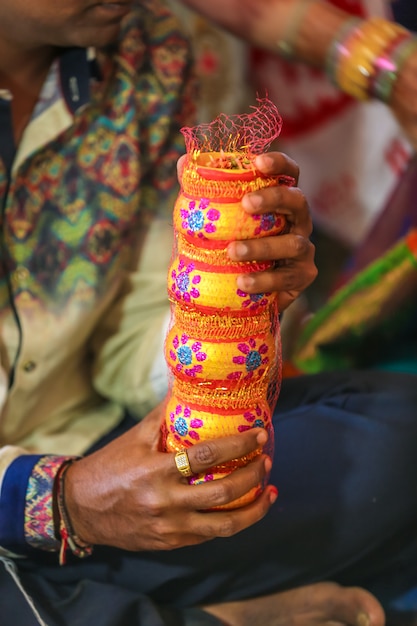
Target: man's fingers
{"x": 280, "y": 280}
{"x": 275, "y": 163}
{"x": 226, "y": 523}
{"x": 207, "y": 454}
{"x": 200, "y": 526}
{"x": 235, "y": 484}
{"x": 289, "y": 202}
{"x": 288, "y": 246}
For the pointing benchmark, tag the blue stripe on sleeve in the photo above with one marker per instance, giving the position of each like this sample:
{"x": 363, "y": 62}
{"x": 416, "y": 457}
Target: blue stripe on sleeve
{"x": 12, "y": 503}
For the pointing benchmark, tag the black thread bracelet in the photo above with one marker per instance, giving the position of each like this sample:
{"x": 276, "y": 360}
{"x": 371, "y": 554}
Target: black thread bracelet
{"x": 65, "y": 531}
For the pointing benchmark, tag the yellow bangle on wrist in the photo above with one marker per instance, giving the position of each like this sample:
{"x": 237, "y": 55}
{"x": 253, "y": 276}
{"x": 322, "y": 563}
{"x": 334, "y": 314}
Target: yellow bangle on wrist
{"x": 364, "y": 47}
{"x": 364, "y": 57}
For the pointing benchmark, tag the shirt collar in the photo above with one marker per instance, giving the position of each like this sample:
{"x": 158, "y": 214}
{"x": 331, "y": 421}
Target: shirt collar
{"x": 76, "y": 69}
{"x": 69, "y": 78}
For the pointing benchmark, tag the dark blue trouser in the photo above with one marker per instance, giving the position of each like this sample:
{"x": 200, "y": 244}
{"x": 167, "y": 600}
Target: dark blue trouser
{"x": 346, "y": 469}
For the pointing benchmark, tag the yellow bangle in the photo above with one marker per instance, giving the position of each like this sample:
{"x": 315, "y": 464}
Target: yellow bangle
{"x": 242, "y": 359}
{"x": 360, "y": 52}
{"x": 204, "y": 219}
{"x": 186, "y": 426}
{"x": 206, "y": 288}
{"x": 187, "y": 423}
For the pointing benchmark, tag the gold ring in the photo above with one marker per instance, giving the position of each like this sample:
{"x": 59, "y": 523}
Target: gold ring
{"x": 183, "y": 463}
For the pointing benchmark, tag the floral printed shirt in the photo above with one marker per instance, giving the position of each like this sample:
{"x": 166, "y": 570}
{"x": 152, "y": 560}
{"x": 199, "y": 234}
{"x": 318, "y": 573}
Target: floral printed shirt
{"x": 85, "y": 201}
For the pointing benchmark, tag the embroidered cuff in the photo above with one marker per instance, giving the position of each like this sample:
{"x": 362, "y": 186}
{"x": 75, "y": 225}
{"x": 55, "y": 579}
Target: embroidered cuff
{"x": 39, "y": 519}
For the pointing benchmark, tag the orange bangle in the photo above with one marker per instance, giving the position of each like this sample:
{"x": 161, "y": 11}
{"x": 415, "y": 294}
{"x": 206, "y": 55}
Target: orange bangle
{"x": 221, "y": 397}
{"x": 221, "y": 325}
{"x": 201, "y": 180}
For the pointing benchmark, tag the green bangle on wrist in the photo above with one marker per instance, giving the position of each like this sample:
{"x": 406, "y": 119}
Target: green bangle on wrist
{"x": 286, "y": 45}
{"x": 388, "y": 67}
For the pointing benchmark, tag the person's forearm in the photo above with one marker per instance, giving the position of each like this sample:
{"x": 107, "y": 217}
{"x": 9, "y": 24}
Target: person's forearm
{"x": 318, "y": 27}
{"x": 26, "y": 504}
{"x": 266, "y": 22}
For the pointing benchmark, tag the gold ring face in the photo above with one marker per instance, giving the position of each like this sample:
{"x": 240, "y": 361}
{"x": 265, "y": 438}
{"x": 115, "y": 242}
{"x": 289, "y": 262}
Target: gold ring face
{"x": 183, "y": 464}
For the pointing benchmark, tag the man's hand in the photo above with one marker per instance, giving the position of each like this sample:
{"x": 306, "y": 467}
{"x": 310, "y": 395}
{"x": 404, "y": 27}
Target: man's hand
{"x": 293, "y": 252}
{"x": 131, "y": 495}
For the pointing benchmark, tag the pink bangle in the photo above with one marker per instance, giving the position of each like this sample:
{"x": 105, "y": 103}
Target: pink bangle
{"x": 338, "y": 47}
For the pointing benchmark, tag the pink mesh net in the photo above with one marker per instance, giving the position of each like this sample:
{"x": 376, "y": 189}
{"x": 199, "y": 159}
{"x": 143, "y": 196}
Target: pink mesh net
{"x": 250, "y": 133}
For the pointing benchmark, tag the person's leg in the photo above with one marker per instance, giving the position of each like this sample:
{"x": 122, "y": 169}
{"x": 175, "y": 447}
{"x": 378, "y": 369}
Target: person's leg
{"x": 320, "y": 604}
{"x": 32, "y": 600}
{"x": 87, "y": 602}
{"x": 16, "y": 606}
{"x": 346, "y": 468}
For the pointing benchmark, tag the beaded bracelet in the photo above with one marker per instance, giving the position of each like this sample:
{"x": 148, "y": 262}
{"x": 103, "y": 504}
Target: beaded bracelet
{"x": 364, "y": 58}
{"x": 66, "y": 532}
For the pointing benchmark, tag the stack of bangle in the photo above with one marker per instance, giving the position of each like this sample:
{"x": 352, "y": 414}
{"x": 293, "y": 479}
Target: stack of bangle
{"x": 366, "y": 55}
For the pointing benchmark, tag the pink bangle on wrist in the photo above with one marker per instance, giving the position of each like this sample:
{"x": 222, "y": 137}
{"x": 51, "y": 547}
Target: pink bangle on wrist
{"x": 365, "y": 57}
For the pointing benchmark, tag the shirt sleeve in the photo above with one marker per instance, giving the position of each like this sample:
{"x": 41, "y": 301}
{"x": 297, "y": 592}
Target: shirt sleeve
{"x": 129, "y": 367}
{"x": 26, "y": 504}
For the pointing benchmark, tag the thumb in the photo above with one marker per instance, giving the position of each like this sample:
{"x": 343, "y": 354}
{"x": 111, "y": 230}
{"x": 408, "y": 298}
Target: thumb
{"x": 150, "y": 427}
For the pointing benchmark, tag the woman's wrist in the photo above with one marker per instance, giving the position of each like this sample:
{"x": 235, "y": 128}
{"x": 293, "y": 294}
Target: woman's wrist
{"x": 313, "y": 25}
{"x": 366, "y": 56}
